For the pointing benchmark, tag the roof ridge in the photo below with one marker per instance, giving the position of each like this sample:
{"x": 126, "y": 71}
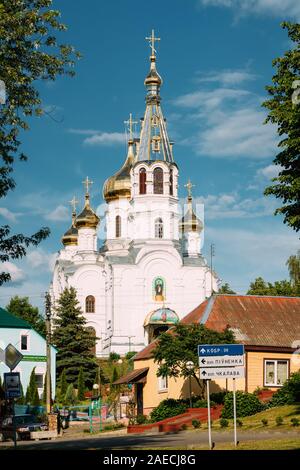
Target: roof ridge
{"x": 258, "y": 295}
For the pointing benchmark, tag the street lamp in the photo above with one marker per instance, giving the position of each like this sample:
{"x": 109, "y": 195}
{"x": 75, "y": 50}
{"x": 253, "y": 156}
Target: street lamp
{"x": 48, "y": 350}
{"x": 190, "y": 366}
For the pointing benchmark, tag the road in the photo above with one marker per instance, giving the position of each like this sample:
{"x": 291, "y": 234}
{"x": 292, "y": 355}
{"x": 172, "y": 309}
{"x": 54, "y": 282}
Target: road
{"x": 135, "y": 441}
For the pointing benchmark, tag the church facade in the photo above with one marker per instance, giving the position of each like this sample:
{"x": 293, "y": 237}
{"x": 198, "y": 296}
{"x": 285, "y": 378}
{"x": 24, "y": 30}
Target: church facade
{"x": 149, "y": 272}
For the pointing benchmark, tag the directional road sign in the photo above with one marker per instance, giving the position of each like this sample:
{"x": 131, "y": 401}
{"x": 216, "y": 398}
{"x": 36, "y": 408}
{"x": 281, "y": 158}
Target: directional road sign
{"x": 12, "y": 384}
{"x": 222, "y": 373}
{"x": 221, "y": 361}
{"x": 220, "y": 350}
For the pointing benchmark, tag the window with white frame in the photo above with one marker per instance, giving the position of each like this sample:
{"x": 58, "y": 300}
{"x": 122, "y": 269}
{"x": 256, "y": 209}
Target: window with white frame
{"x": 39, "y": 378}
{"x": 162, "y": 384}
{"x": 276, "y": 372}
{"x": 24, "y": 342}
{"x": 159, "y": 228}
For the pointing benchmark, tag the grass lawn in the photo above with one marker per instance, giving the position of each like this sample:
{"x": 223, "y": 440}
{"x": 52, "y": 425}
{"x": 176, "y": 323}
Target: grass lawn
{"x": 254, "y": 422}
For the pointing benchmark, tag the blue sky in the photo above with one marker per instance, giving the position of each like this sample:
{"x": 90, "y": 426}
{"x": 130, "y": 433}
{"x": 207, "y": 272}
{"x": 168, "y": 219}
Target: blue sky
{"x": 215, "y": 57}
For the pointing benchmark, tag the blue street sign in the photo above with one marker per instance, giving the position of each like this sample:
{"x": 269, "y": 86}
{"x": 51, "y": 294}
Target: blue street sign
{"x": 220, "y": 350}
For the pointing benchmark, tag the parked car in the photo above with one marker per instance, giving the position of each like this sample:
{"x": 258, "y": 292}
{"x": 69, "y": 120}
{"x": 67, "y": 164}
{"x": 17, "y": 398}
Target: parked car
{"x": 25, "y": 424}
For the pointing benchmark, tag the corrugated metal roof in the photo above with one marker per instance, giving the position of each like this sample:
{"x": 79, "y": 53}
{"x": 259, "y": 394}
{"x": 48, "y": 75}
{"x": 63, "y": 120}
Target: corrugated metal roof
{"x": 8, "y": 320}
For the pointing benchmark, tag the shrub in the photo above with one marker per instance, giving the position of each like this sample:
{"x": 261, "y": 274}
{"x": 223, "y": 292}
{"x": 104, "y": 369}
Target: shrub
{"x": 224, "y": 423}
{"x": 264, "y": 422}
{"x": 279, "y": 420}
{"x": 247, "y": 404}
{"x": 239, "y": 422}
{"x": 196, "y": 423}
{"x": 295, "y": 422}
{"x": 113, "y": 426}
{"x": 167, "y": 409}
{"x": 289, "y": 393}
{"x": 218, "y": 397}
{"x": 141, "y": 419}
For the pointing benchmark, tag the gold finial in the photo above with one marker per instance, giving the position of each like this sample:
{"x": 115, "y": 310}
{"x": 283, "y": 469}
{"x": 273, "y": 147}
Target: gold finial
{"x": 189, "y": 187}
{"x": 73, "y": 203}
{"x": 87, "y": 183}
{"x": 130, "y": 124}
{"x": 152, "y": 40}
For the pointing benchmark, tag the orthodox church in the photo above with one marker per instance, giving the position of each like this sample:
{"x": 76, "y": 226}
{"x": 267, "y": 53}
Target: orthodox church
{"x": 149, "y": 271}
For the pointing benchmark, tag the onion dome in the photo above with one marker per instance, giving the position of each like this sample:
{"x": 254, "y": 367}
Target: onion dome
{"x": 161, "y": 316}
{"x": 119, "y": 185}
{"x": 87, "y": 218}
{"x": 71, "y": 235}
{"x": 153, "y": 77}
{"x": 190, "y": 222}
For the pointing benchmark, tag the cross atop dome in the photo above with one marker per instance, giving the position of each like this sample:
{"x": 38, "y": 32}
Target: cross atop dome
{"x": 189, "y": 187}
{"x": 73, "y": 203}
{"x": 151, "y": 39}
{"x": 130, "y": 123}
{"x": 87, "y": 183}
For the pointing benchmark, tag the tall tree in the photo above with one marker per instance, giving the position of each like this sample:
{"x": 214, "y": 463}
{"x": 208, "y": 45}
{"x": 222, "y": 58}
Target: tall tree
{"x": 225, "y": 289}
{"x": 259, "y": 287}
{"x": 22, "y": 308}
{"x": 293, "y": 264}
{"x": 284, "y": 111}
{"x": 32, "y": 395}
{"x": 281, "y": 288}
{"x": 29, "y": 52}
{"x": 180, "y": 345}
{"x": 73, "y": 341}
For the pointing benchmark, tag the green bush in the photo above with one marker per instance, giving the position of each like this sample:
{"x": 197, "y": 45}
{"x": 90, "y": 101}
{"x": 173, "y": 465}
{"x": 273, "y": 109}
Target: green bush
{"x": 218, "y": 397}
{"x": 264, "y": 422}
{"x": 247, "y": 404}
{"x": 224, "y": 423}
{"x": 239, "y": 422}
{"x": 289, "y": 393}
{"x": 295, "y": 422}
{"x": 141, "y": 419}
{"x": 167, "y": 409}
{"x": 196, "y": 423}
{"x": 113, "y": 426}
{"x": 279, "y": 420}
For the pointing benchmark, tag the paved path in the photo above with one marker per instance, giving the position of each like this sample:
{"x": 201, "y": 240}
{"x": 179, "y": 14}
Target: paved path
{"x": 133, "y": 441}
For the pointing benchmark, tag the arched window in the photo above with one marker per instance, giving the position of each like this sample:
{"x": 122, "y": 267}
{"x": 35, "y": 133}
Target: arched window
{"x": 90, "y": 304}
{"x": 142, "y": 177}
{"x": 92, "y": 333}
{"x": 171, "y": 182}
{"x": 158, "y": 181}
{"x": 159, "y": 228}
{"x": 118, "y": 226}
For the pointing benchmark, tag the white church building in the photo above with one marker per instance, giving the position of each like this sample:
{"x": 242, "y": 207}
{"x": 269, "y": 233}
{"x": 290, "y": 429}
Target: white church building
{"x": 149, "y": 271}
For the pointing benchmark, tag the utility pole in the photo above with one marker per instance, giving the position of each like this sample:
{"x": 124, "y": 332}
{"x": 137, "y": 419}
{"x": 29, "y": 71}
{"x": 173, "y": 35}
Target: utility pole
{"x": 212, "y": 254}
{"x": 48, "y": 350}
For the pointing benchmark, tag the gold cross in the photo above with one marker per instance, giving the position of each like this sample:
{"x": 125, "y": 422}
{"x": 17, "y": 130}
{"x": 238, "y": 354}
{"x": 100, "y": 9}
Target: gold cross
{"x": 73, "y": 203}
{"x": 87, "y": 183}
{"x": 189, "y": 187}
{"x": 152, "y": 40}
{"x": 130, "y": 124}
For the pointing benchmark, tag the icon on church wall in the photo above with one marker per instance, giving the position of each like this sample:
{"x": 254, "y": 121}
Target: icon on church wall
{"x": 159, "y": 289}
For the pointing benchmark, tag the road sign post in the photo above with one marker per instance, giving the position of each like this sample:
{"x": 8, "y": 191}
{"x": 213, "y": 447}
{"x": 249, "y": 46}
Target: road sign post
{"x": 221, "y": 361}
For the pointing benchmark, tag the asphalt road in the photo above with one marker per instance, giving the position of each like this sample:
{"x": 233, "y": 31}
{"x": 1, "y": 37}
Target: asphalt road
{"x": 134, "y": 441}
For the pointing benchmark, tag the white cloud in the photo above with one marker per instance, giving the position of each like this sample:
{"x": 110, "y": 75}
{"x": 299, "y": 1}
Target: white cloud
{"x": 105, "y": 138}
{"x": 39, "y": 258}
{"x": 9, "y": 215}
{"x": 60, "y": 213}
{"x": 17, "y": 274}
{"x": 83, "y": 131}
{"x": 227, "y": 77}
{"x": 270, "y": 171}
{"x": 282, "y": 8}
{"x": 228, "y": 124}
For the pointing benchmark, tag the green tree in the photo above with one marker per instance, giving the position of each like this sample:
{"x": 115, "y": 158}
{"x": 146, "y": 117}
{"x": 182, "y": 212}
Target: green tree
{"x": 21, "y": 400}
{"x": 114, "y": 376}
{"x": 22, "y": 308}
{"x": 72, "y": 339}
{"x": 180, "y": 345}
{"x": 284, "y": 111}
{"x": 70, "y": 396}
{"x": 32, "y": 395}
{"x": 279, "y": 288}
{"x": 80, "y": 385}
{"x": 293, "y": 264}
{"x": 63, "y": 384}
{"x": 225, "y": 289}
{"x": 29, "y": 52}
{"x": 259, "y": 287}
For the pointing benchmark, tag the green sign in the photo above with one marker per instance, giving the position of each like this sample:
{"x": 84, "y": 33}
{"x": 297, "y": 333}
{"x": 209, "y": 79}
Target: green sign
{"x": 35, "y": 358}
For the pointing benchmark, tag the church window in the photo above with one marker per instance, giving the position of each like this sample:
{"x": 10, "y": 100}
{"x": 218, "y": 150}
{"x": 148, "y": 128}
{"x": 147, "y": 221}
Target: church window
{"x": 171, "y": 182}
{"x": 90, "y": 304}
{"x": 159, "y": 228}
{"x": 142, "y": 181}
{"x": 158, "y": 181}
{"x": 118, "y": 226}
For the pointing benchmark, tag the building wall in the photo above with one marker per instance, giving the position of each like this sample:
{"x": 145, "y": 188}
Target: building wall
{"x": 179, "y": 388}
{"x": 37, "y": 348}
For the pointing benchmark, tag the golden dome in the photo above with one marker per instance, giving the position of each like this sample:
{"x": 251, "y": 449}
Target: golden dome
{"x": 87, "y": 218}
{"x": 71, "y": 235}
{"x": 153, "y": 76}
{"x": 190, "y": 222}
{"x": 119, "y": 185}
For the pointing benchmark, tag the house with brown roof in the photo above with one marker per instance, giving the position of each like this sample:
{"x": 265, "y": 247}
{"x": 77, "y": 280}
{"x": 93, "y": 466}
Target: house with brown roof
{"x": 269, "y": 328}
